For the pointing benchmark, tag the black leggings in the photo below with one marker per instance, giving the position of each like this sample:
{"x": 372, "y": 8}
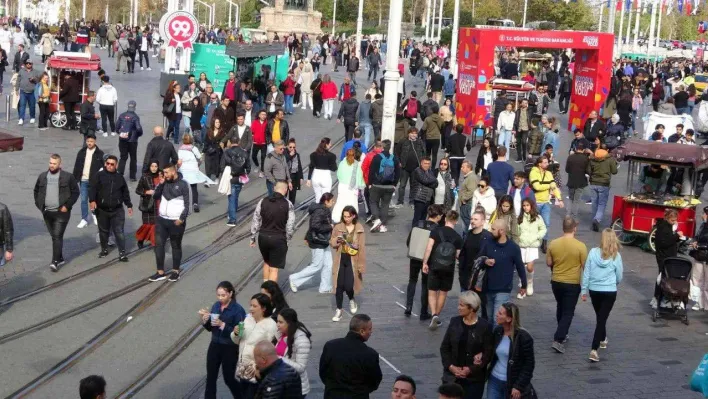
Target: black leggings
{"x": 107, "y": 116}
{"x": 345, "y": 280}
{"x": 225, "y": 356}
{"x": 195, "y": 194}
{"x": 602, "y": 302}
{"x": 165, "y": 229}
{"x": 259, "y": 148}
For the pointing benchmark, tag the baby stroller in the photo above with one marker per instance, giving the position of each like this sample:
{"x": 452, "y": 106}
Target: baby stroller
{"x": 675, "y": 288}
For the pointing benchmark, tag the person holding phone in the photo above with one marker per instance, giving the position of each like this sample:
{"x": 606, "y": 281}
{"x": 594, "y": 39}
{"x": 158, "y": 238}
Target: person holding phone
{"x": 224, "y": 316}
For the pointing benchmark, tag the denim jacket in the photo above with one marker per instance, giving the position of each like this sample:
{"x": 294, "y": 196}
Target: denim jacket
{"x": 232, "y": 315}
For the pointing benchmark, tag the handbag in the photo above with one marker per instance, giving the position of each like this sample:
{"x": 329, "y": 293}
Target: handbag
{"x": 225, "y": 182}
{"x": 168, "y": 108}
{"x": 149, "y": 207}
{"x": 315, "y": 238}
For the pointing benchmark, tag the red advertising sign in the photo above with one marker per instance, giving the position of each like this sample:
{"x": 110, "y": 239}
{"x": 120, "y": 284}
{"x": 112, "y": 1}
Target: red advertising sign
{"x": 180, "y": 28}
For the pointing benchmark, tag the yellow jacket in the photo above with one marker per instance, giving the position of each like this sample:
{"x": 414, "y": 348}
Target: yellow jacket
{"x": 542, "y": 184}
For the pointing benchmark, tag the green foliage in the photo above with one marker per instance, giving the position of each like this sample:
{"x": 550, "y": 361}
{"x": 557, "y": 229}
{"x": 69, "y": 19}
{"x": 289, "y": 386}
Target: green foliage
{"x": 446, "y": 36}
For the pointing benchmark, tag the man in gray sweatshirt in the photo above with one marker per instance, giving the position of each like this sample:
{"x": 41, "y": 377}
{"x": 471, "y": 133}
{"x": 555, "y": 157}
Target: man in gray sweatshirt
{"x": 275, "y": 167}
{"x": 27, "y": 80}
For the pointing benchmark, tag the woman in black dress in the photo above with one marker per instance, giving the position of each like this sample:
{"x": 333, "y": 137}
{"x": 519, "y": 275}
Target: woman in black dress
{"x": 212, "y": 148}
{"x": 294, "y": 167}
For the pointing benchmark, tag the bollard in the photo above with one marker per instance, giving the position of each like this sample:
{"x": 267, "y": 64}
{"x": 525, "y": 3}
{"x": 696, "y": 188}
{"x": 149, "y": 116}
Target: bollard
{"x": 7, "y": 108}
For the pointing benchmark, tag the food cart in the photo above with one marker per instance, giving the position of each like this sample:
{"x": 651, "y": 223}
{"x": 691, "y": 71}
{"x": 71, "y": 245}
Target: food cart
{"x": 77, "y": 65}
{"x": 635, "y": 215}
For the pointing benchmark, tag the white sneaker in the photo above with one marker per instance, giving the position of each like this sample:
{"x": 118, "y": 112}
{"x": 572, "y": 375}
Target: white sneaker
{"x": 353, "y": 306}
{"x": 20, "y": 122}
{"x": 519, "y": 296}
{"x": 142, "y": 69}
{"x": 293, "y": 288}
{"x": 603, "y": 344}
{"x": 83, "y": 223}
{"x": 149, "y": 69}
{"x": 31, "y": 121}
{"x": 653, "y": 303}
{"x": 529, "y": 284}
{"x": 105, "y": 134}
{"x": 696, "y": 307}
{"x": 337, "y": 315}
{"x": 113, "y": 133}
{"x": 376, "y": 225}
{"x": 382, "y": 229}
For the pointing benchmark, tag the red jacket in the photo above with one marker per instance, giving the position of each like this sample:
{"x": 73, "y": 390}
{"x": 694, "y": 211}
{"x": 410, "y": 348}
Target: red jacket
{"x": 289, "y": 85}
{"x": 258, "y": 128}
{"x": 328, "y": 90}
{"x": 366, "y": 163}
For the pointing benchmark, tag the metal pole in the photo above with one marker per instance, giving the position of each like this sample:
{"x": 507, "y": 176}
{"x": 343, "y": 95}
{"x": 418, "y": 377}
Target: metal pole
{"x": 67, "y": 8}
{"x": 334, "y": 16}
{"x": 237, "y": 23}
{"x": 213, "y": 14}
{"x": 432, "y": 21}
{"x": 526, "y": 6}
{"x": 359, "y": 23}
{"x": 599, "y": 24}
{"x": 611, "y": 19}
{"x": 427, "y": 19}
{"x": 652, "y": 27}
{"x": 440, "y": 13}
{"x": 83, "y": 10}
{"x": 7, "y": 108}
{"x": 230, "y": 5}
{"x": 135, "y": 13}
{"x": 391, "y": 76}
{"x": 455, "y": 34}
{"x": 619, "y": 37}
{"x": 636, "y": 25}
{"x": 629, "y": 25}
{"x": 658, "y": 24}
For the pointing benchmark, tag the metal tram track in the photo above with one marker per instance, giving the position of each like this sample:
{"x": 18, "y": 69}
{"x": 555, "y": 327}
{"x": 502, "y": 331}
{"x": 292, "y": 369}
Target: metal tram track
{"x": 68, "y": 279}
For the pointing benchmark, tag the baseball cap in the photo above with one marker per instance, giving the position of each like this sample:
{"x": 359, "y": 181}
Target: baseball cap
{"x": 131, "y": 105}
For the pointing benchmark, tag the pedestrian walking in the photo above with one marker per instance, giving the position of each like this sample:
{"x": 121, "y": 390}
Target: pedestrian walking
{"x": 531, "y": 231}
{"x": 89, "y": 116}
{"x": 505, "y": 126}
{"x": 513, "y": 363}
{"x": 466, "y": 191}
{"x": 501, "y": 174}
{"x": 55, "y": 192}
{"x": 467, "y": 347}
{"x": 349, "y": 266}
{"x": 190, "y": 158}
{"x": 328, "y": 92}
{"x": 276, "y": 296}
{"x": 348, "y": 367}
{"x": 576, "y": 166}
{"x": 108, "y": 193}
{"x": 160, "y": 149}
{"x": 276, "y": 378}
{"x": 274, "y": 224}
{"x": 322, "y": 164}
{"x": 483, "y": 198}
{"x": 288, "y": 93}
{"x": 293, "y": 344}
{"x": 225, "y": 315}
{"x": 477, "y": 237}
{"x": 384, "y": 174}
{"x": 522, "y": 126}
{"x": 89, "y": 160}
{"x": 409, "y": 153}
{"x": 27, "y": 79}
{"x": 435, "y": 215}
{"x": 42, "y": 95}
{"x": 699, "y": 272}
{"x": 148, "y": 204}
{"x": 260, "y": 147}
{"x": 423, "y": 185}
{"x": 353, "y": 68}
{"x": 129, "y": 131}
{"x": 172, "y": 110}
{"x": 307, "y": 77}
{"x": 666, "y": 241}
{"x": 292, "y": 158}
{"x": 107, "y": 98}
{"x": 274, "y": 101}
{"x": 601, "y": 275}
{"x": 520, "y": 191}
{"x": 566, "y": 257}
{"x": 7, "y": 235}
{"x": 348, "y": 112}
{"x": 257, "y": 326}
{"x": 543, "y": 185}
{"x": 212, "y": 148}
{"x": 275, "y": 167}
{"x": 600, "y": 169}
{"x": 277, "y": 128}
{"x": 70, "y": 95}
{"x": 240, "y": 130}
{"x": 173, "y": 194}
{"x": 318, "y": 236}
{"x": 432, "y": 128}
{"x": 486, "y": 155}
{"x": 349, "y": 173}
{"x": 236, "y": 159}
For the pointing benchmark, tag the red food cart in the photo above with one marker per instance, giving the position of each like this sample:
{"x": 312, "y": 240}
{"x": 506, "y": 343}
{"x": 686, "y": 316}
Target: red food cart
{"x": 78, "y": 66}
{"x": 635, "y": 214}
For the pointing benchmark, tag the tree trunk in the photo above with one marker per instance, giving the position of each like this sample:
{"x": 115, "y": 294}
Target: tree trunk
{"x": 415, "y": 6}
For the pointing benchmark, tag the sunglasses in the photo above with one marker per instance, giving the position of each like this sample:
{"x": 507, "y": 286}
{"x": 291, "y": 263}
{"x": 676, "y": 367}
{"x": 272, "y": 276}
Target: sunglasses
{"x": 110, "y": 164}
{"x": 481, "y": 186}
{"x": 443, "y": 163}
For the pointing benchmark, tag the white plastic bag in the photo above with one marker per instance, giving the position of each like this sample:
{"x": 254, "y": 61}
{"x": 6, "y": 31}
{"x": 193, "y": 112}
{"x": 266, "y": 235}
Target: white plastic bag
{"x": 225, "y": 182}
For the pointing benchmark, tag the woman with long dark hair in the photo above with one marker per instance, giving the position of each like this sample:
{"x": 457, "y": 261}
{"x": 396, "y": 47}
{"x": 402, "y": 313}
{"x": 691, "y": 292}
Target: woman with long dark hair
{"x": 505, "y": 212}
{"x": 351, "y": 180}
{"x": 148, "y": 204}
{"x": 224, "y": 316}
{"x": 172, "y": 110}
{"x": 322, "y": 164}
{"x": 292, "y": 158}
{"x": 293, "y": 344}
{"x": 530, "y": 232}
{"x": 349, "y": 240}
{"x": 277, "y": 298}
{"x": 212, "y": 148}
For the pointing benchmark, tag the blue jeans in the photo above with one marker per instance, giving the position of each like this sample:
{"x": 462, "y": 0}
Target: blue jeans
{"x": 26, "y": 100}
{"x": 504, "y": 138}
{"x": 682, "y": 110}
{"x": 321, "y": 260}
{"x": 544, "y": 209}
{"x": 366, "y": 129}
{"x": 173, "y": 127}
{"x": 269, "y": 187}
{"x": 496, "y": 388}
{"x": 599, "y": 194}
{"x": 84, "y": 189}
{"x": 288, "y": 106}
{"x": 494, "y": 301}
{"x": 233, "y": 200}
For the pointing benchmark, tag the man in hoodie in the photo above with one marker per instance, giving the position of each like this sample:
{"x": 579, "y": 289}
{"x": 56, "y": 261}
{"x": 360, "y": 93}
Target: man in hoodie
{"x": 237, "y": 159}
{"x": 566, "y": 258}
{"x": 348, "y": 114}
{"x": 423, "y": 184}
{"x": 276, "y": 168}
{"x": 351, "y": 143}
{"x": 89, "y": 116}
{"x": 107, "y": 98}
{"x": 108, "y": 192}
{"x": 502, "y": 256}
{"x": 129, "y": 130}
{"x": 384, "y": 172}
{"x": 432, "y": 126}
{"x": 576, "y": 166}
{"x": 160, "y": 149}
{"x": 377, "y": 115}
{"x": 410, "y": 152}
{"x": 175, "y": 196}
{"x": 600, "y": 169}
{"x": 363, "y": 120}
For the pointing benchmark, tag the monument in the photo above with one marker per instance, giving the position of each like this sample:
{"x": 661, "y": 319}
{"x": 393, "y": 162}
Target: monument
{"x": 288, "y": 16}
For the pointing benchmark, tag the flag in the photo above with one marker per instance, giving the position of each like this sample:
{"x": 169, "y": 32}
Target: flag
{"x": 679, "y": 6}
{"x": 669, "y": 7}
{"x": 608, "y": 3}
{"x": 689, "y": 6}
{"x": 628, "y": 5}
{"x": 663, "y": 6}
{"x": 619, "y": 5}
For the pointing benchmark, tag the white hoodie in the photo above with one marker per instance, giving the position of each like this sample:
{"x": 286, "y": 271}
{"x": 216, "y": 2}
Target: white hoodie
{"x": 107, "y": 95}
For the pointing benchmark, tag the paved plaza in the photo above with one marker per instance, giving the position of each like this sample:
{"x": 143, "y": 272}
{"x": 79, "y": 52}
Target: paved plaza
{"x": 644, "y": 359}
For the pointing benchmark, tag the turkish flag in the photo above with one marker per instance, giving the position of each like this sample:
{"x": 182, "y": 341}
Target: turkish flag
{"x": 619, "y": 5}
{"x": 688, "y": 8}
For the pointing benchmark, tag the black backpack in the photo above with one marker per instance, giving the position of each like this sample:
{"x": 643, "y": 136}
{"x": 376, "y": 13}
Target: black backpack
{"x": 237, "y": 161}
{"x": 444, "y": 255}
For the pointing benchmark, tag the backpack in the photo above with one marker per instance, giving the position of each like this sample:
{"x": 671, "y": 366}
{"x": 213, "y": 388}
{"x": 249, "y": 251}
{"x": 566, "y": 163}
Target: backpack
{"x": 418, "y": 242}
{"x": 412, "y": 108}
{"x": 443, "y": 257}
{"x": 387, "y": 170}
{"x": 237, "y": 162}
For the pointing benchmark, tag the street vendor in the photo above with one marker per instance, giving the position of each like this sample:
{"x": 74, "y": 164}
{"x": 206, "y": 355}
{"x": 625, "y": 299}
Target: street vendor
{"x": 653, "y": 177}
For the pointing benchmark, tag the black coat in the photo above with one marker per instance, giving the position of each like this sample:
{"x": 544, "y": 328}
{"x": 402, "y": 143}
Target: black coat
{"x": 701, "y": 253}
{"x": 68, "y": 190}
{"x": 284, "y": 131}
{"x": 88, "y": 117}
{"x": 320, "y": 223}
{"x": 70, "y": 92}
{"x": 96, "y": 163}
{"x": 7, "y": 231}
{"x": 147, "y": 204}
{"x": 349, "y": 369}
{"x": 348, "y": 111}
{"x": 109, "y": 191}
{"x": 162, "y": 150}
{"x": 519, "y": 369}
{"x": 20, "y": 60}
{"x": 479, "y": 340}
{"x": 576, "y": 166}
{"x": 279, "y": 381}
{"x": 597, "y": 130}
{"x": 423, "y": 185}
{"x": 479, "y": 165}
{"x": 529, "y": 111}
{"x": 666, "y": 241}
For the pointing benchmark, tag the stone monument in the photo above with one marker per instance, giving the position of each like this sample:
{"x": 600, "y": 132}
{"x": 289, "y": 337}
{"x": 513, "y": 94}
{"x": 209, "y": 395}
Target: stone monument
{"x": 288, "y": 16}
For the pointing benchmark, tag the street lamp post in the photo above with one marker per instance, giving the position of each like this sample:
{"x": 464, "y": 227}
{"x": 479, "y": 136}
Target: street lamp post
{"x": 526, "y": 6}
{"x": 237, "y": 23}
{"x": 391, "y": 76}
{"x": 440, "y": 20}
{"x": 455, "y": 33}
{"x": 432, "y": 22}
{"x": 83, "y": 11}
{"x": 427, "y": 18}
{"x": 359, "y": 23}
{"x": 67, "y": 8}
{"x": 334, "y": 16}
{"x": 636, "y": 25}
{"x": 652, "y": 26}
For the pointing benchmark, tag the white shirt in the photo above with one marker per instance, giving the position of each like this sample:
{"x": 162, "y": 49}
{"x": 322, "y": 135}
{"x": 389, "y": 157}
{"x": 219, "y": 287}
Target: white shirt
{"x": 178, "y": 104}
{"x": 517, "y": 202}
{"x": 506, "y": 120}
{"x": 240, "y": 130}
{"x": 248, "y": 118}
{"x": 440, "y": 191}
{"x": 487, "y": 159}
{"x": 144, "y": 43}
{"x": 87, "y": 164}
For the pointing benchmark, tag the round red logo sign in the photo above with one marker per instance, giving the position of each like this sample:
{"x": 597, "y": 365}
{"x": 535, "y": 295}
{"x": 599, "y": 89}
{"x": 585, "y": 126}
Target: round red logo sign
{"x": 180, "y": 28}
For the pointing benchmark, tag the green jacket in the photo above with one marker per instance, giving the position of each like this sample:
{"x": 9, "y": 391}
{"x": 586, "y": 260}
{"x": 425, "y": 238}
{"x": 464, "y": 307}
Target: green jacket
{"x": 601, "y": 170}
{"x": 432, "y": 126}
{"x": 531, "y": 233}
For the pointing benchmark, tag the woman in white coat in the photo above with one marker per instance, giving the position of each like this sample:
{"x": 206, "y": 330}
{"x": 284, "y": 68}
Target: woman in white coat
{"x": 191, "y": 159}
{"x": 351, "y": 180}
{"x": 293, "y": 344}
{"x": 306, "y": 78}
{"x": 484, "y": 197}
{"x": 258, "y": 326}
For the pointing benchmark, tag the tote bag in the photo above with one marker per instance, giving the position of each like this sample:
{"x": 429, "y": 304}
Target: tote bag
{"x": 225, "y": 182}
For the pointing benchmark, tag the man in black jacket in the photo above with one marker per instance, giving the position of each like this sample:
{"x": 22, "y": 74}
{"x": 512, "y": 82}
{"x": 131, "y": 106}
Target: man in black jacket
{"x": 429, "y": 106}
{"x": 160, "y": 149}
{"x": 129, "y": 130}
{"x": 435, "y": 214}
{"x": 175, "y": 199}
{"x": 410, "y": 152}
{"x": 70, "y": 95}
{"x": 564, "y": 92}
{"x": 283, "y": 127}
{"x": 353, "y": 68}
{"x": 89, "y": 116}
{"x": 108, "y": 193}
{"x": 278, "y": 380}
{"x": 89, "y": 160}
{"x": 7, "y": 233}
{"x": 594, "y": 127}
{"x": 437, "y": 81}
{"x": 55, "y": 192}
{"x": 522, "y": 126}
{"x": 347, "y": 114}
{"x": 349, "y": 369}
{"x": 576, "y": 166}
{"x": 423, "y": 184}
{"x": 21, "y": 57}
